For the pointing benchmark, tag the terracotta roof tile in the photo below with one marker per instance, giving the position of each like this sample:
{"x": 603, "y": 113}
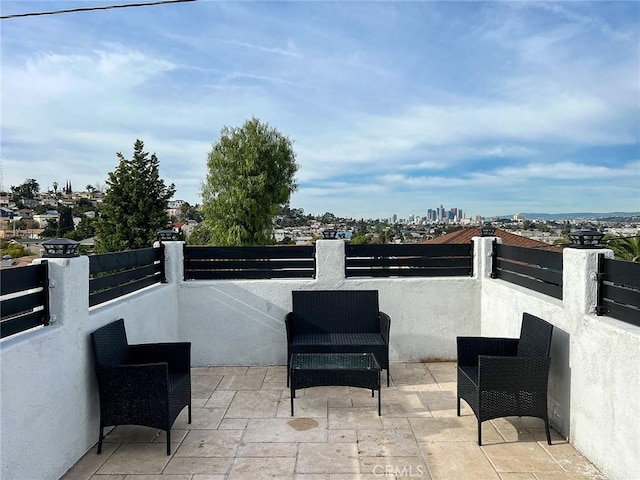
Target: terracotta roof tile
{"x": 466, "y": 234}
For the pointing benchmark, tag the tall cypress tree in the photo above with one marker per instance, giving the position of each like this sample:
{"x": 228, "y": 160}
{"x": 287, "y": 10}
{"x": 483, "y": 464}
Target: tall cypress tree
{"x": 134, "y": 207}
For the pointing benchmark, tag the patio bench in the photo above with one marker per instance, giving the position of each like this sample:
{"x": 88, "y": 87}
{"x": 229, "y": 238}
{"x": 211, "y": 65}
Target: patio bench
{"x": 338, "y": 321}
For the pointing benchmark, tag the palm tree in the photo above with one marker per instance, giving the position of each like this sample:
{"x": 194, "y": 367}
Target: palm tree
{"x": 624, "y": 248}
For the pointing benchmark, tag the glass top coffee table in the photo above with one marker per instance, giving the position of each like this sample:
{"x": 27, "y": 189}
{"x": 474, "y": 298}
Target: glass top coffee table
{"x": 334, "y": 369}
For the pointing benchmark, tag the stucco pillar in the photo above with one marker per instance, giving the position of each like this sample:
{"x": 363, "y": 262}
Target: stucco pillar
{"x": 579, "y": 278}
{"x": 173, "y": 261}
{"x": 68, "y": 290}
{"x": 330, "y": 263}
{"x": 482, "y": 251}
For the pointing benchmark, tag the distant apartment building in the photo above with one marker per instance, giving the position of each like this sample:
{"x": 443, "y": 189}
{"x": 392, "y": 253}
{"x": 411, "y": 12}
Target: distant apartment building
{"x": 174, "y": 207}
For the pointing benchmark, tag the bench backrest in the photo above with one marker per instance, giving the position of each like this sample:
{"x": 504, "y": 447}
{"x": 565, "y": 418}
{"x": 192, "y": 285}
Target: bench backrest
{"x": 336, "y": 311}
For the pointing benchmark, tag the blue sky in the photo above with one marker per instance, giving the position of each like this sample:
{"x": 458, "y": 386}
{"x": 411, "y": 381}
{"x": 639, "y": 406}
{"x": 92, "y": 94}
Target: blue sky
{"x": 393, "y": 107}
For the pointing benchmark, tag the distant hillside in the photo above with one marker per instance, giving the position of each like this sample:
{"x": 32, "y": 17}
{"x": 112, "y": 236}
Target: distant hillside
{"x": 570, "y": 216}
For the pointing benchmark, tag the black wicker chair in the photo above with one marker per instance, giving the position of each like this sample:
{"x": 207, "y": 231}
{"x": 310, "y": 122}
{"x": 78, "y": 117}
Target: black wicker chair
{"x": 502, "y": 377}
{"x": 147, "y": 384}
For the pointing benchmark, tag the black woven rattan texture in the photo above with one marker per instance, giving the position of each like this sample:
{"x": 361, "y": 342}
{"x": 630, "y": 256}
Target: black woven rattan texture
{"x": 501, "y": 377}
{"x": 147, "y": 384}
{"x": 327, "y": 369}
{"x": 338, "y": 321}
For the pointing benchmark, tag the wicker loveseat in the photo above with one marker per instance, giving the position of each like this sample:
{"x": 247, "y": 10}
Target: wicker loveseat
{"x": 338, "y": 321}
{"x": 147, "y": 384}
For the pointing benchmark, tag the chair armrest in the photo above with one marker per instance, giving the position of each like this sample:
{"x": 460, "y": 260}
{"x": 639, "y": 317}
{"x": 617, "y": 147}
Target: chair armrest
{"x": 513, "y": 374}
{"x": 133, "y": 381}
{"x": 177, "y": 355}
{"x": 289, "y": 324}
{"x": 385, "y": 326}
{"x": 470, "y": 347}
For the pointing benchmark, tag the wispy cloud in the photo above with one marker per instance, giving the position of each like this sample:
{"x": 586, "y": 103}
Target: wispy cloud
{"x": 393, "y": 107}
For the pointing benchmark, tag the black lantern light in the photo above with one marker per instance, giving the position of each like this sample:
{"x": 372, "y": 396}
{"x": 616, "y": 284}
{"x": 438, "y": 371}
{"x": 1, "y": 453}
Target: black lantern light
{"x": 60, "y": 248}
{"x": 487, "y": 230}
{"x": 585, "y": 239}
{"x": 329, "y": 234}
{"x": 168, "y": 235}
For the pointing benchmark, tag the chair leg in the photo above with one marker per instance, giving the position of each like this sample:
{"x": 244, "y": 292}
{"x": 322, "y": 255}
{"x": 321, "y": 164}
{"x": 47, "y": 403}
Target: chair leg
{"x": 388, "y": 381}
{"x": 100, "y": 438}
{"x": 189, "y": 413}
{"x": 458, "y": 407}
{"x": 168, "y": 441}
{"x": 479, "y": 433}
{"x": 546, "y": 426}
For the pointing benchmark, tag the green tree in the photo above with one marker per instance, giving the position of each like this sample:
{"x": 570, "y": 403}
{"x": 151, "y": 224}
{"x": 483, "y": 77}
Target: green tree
{"x": 134, "y": 207}
{"x": 29, "y": 189}
{"x": 65, "y": 225}
{"x": 250, "y": 174}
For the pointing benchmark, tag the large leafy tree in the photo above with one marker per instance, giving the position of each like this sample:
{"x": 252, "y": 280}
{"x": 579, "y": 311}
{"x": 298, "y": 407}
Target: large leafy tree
{"x": 250, "y": 175}
{"x": 134, "y": 207}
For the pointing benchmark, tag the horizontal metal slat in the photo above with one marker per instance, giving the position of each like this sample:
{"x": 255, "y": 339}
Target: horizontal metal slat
{"x": 268, "y": 252}
{"x": 247, "y": 274}
{"x": 24, "y": 303}
{"x": 120, "y": 278}
{"x": 123, "y": 260}
{"x": 247, "y": 264}
{"x": 622, "y": 312}
{"x": 410, "y": 262}
{"x": 22, "y": 323}
{"x": 408, "y": 272}
{"x": 532, "y": 256}
{"x": 543, "y": 274}
{"x": 622, "y": 272}
{"x": 18, "y": 279}
{"x": 112, "y": 293}
{"x": 620, "y": 294}
{"x": 530, "y": 283}
{"x": 421, "y": 250}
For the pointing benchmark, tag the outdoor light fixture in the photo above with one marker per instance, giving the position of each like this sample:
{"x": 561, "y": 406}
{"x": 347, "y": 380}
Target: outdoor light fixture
{"x": 329, "y": 234}
{"x": 585, "y": 239}
{"x": 487, "y": 230}
{"x": 60, "y": 248}
{"x": 167, "y": 235}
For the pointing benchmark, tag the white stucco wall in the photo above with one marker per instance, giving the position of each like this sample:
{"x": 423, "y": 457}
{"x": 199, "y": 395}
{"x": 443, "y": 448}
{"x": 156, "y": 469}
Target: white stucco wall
{"x": 49, "y": 413}
{"x": 48, "y": 398}
{"x": 247, "y": 316}
{"x": 594, "y": 386}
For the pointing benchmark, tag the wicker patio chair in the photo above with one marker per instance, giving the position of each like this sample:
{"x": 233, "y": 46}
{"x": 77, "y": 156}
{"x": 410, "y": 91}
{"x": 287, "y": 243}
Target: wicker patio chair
{"x": 502, "y": 377}
{"x": 147, "y": 384}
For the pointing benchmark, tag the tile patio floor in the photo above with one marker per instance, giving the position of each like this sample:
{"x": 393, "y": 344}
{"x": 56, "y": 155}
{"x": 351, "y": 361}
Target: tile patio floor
{"x": 242, "y": 429}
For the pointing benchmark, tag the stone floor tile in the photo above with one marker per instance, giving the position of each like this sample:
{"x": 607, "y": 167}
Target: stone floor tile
{"x": 208, "y": 477}
{"x": 109, "y": 477}
{"x": 511, "y": 432}
{"x": 131, "y": 433}
{"x": 343, "y": 436}
{"x": 569, "y": 459}
{"x": 355, "y": 418}
{"x": 136, "y": 458}
{"x": 267, "y": 449}
{"x": 518, "y": 476}
{"x": 361, "y": 476}
{"x": 286, "y": 430}
{"x": 396, "y": 423}
{"x": 442, "y": 403}
{"x": 228, "y": 370}
{"x": 90, "y": 462}
{"x": 328, "y": 458}
{"x": 394, "y": 467}
{"x": 453, "y": 429}
{"x": 276, "y": 374}
{"x": 397, "y": 402}
{"x": 241, "y": 382}
{"x": 519, "y": 457}
{"x": 159, "y": 477}
{"x": 457, "y": 460}
{"x": 210, "y": 443}
{"x": 568, "y": 476}
{"x": 310, "y": 476}
{"x": 257, "y": 371}
{"x": 387, "y": 443}
{"x": 233, "y": 424}
{"x": 307, "y": 406}
{"x": 254, "y": 404}
{"x": 202, "y": 386}
{"x": 443, "y": 372}
{"x": 177, "y": 436}
{"x": 206, "y": 418}
{"x": 279, "y": 468}
{"x": 220, "y": 399}
{"x": 198, "y": 465}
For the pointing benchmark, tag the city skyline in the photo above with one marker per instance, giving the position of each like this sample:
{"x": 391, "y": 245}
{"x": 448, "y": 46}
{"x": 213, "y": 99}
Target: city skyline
{"x": 496, "y": 106}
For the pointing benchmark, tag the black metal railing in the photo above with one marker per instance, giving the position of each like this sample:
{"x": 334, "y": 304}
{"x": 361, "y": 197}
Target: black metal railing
{"x": 533, "y": 268}
{"x": 275, "y": 261}
{"x": 25, "y": 298}
{"x": 112, "y": 275}
{"x": 619, "y": 289}
{"x": 409, "y": 260}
